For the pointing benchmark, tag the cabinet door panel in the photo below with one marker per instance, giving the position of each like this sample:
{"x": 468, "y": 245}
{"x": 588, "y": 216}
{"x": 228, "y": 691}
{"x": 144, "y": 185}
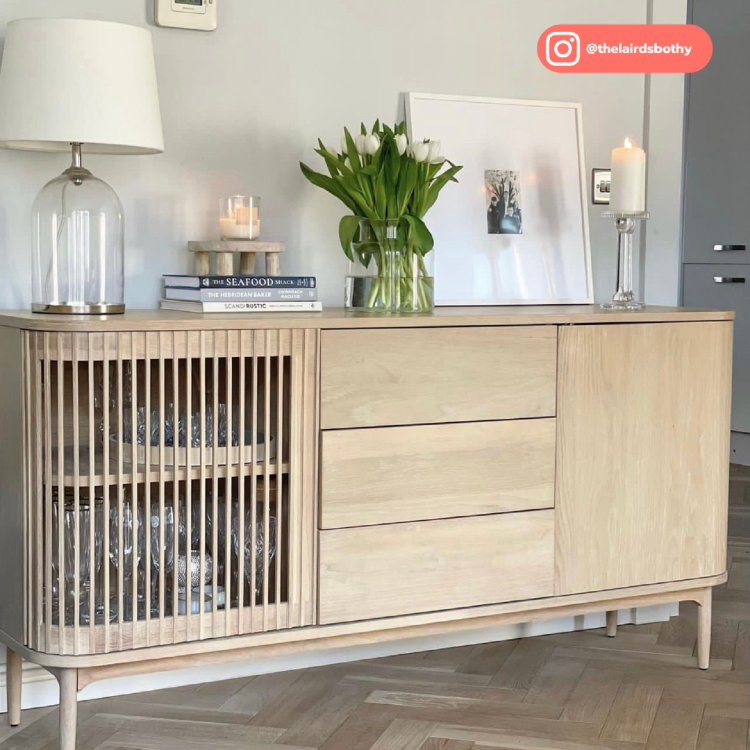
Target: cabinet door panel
{"x": 643, "y": 454}
{"x": 717, "y": 157}
{"x": 700, "y": 289}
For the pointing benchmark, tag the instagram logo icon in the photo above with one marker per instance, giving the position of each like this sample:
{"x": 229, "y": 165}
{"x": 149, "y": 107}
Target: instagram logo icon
{"x": 563, "y": 48}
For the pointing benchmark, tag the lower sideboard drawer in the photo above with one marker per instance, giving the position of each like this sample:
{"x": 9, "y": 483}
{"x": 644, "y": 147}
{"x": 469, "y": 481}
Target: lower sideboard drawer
{"x": 405, "y": 568}
{"x": 424, "y": 472}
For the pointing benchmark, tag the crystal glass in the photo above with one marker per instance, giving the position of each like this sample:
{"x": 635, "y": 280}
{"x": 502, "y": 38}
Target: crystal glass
{"x": 156, "y": 544}
{"x": 195, "y": 570}
{"x": 168, "y": 537}
{"x": 387, "y": 273}
{"x": 69, "y": 555}
{"x": 131, "y": 559}
{"x": 77, "y": 258}
{"x": 258, "y": 555}
{"x": 239, "y": 218}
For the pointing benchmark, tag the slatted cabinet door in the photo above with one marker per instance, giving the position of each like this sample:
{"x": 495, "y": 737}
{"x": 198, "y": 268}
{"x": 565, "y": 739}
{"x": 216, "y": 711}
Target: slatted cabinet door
{"x": 171, "y": 486}
{"x": 642, "y": 454}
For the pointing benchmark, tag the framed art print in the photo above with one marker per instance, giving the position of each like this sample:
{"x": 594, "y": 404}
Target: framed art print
{"x": 514, "y": 230}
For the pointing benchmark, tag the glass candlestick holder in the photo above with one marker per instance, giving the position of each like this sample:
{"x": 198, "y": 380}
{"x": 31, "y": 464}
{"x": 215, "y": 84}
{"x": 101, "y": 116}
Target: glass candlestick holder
{"x": 624, "y": 297}
{"x": 239, "y": 218}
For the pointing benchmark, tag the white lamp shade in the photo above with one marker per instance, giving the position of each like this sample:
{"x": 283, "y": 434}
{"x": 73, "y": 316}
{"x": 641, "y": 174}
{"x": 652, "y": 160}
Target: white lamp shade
{"x": 66, "y": 81}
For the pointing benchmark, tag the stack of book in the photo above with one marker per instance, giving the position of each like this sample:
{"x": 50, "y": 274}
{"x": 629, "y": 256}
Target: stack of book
{"x": 219, "y": 294}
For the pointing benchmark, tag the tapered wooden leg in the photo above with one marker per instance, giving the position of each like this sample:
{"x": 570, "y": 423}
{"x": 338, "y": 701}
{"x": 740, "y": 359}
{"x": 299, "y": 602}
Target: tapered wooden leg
{"x": 704, "y": 629}
{"x": 201, "y": 263}
{"x": 224, "y": 264}
{"x": 247, "y": 264}
{"x": 273, "y": 267}
{"x": 13, "y": 670}
{"x": 68, "y": 679}
{"x": 612, "y": 623}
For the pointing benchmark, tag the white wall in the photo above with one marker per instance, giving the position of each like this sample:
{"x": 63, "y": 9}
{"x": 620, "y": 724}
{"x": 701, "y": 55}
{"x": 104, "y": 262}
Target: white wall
{"x": 243, "y": 105}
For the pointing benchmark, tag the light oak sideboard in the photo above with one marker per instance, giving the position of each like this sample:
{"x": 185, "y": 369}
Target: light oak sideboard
{"x": 182, "y": 490}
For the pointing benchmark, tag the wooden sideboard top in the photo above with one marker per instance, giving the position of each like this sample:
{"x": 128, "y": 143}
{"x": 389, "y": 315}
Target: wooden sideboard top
{"x": 167, "y": 320}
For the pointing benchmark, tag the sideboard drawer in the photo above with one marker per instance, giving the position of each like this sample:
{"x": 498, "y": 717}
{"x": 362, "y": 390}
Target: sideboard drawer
{"x": 404, "y": 568}
{"x": 423, "y": 472}
{"x": 378, "y": 378}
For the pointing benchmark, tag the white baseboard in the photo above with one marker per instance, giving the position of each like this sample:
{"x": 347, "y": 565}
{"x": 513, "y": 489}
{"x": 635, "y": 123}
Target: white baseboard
{"x": 40, "y": 687}
{"x": 741, "y": 448}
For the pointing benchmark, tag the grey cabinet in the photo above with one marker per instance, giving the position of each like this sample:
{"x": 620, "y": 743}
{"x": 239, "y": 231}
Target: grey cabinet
{"x": 727, "y": 287}
{"x": 717, "y": 139}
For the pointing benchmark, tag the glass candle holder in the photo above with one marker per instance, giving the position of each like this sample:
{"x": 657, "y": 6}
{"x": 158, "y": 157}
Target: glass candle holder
{"x": 239, "y": 218}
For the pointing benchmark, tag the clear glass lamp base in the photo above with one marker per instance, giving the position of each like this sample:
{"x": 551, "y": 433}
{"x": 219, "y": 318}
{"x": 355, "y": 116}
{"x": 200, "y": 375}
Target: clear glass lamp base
{"x": 622, "y": 305}
{"x": 82, "y": 308}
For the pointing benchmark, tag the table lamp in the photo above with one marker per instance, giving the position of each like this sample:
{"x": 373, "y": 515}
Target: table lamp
{"x": 89, "y": 87}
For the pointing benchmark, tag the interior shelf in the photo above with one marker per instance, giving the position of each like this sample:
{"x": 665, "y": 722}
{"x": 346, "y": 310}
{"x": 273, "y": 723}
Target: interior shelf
{"x": 153, "y": 473}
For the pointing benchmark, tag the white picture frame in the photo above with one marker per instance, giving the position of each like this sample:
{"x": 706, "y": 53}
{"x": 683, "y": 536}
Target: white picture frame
{"x": 536, "y": 248}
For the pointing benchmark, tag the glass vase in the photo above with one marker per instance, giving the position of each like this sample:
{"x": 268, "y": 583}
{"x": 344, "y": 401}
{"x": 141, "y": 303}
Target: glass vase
{"x": 387, "y": 273}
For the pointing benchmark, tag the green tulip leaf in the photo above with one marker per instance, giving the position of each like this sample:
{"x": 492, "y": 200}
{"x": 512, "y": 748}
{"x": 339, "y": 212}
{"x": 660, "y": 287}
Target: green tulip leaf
{"x": 421, "y": 235}
{"x": 329, "y": 185}
{"x": 347, "y": 229}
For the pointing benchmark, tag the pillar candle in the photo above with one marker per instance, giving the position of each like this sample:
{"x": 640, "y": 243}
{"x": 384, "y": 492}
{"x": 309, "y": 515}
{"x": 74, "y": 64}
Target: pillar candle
{"x": 231, "y": 229}
{"x": 628, "y": 178}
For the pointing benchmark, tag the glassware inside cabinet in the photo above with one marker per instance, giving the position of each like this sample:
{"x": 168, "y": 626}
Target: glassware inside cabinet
{"x": 73, "y": 530}
{"x": 187, "y": 459}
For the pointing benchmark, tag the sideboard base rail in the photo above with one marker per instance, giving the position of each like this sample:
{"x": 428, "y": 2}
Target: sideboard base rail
{"x": 73, "y": 678}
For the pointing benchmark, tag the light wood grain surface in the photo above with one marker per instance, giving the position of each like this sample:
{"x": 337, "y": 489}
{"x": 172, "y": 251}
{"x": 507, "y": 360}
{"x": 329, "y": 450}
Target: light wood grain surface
{"x": 382, "y": 378}
{"x": 394, "y": 474}
{"x": 503, "y": 695}
{"x": 151, "y": 320}
{"x": 643, "y": 449}
{"x": 380, "y": 571}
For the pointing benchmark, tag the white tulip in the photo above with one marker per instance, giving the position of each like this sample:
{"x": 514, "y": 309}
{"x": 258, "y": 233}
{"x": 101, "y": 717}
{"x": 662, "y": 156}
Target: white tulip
{"x": 434, "y": 153}
{"x": 402, "y": 143}
{"x": 372, "y": 144}
{"x": 359, "y": 142}
{"x": 420, "y": 151}
{"x": 344, "y": 145}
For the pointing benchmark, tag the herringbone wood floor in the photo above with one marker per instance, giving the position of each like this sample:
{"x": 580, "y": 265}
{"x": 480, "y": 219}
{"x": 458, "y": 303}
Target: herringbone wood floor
{"x": 576, "y": 691}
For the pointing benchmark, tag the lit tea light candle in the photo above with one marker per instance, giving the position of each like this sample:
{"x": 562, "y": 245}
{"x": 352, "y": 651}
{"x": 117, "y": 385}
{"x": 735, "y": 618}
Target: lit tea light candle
{"x": 240, "y": 218}
{"x": 628, "y": 178}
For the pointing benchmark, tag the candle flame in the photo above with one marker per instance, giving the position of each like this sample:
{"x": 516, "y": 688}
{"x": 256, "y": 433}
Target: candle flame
{"x": 629, "y": 143}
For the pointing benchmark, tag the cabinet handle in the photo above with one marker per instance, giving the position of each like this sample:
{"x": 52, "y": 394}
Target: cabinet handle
{"x": 729, "y": 248}
{"x": 729, "y": 279}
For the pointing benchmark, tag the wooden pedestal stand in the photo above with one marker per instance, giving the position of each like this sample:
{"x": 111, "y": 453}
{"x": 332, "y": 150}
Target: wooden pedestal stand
{"x": 225, "y": 251}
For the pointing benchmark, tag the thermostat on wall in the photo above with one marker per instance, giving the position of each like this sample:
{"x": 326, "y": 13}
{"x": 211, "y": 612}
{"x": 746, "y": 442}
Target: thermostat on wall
{"x": 199, "y": 15}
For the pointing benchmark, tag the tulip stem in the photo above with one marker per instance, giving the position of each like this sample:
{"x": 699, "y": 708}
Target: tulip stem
{"x": 400, "y": 282}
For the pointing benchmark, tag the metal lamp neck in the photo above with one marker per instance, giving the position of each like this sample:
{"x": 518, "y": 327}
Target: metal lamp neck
{"x": 77, "y": 155}
{"x": 76, "y": 171}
